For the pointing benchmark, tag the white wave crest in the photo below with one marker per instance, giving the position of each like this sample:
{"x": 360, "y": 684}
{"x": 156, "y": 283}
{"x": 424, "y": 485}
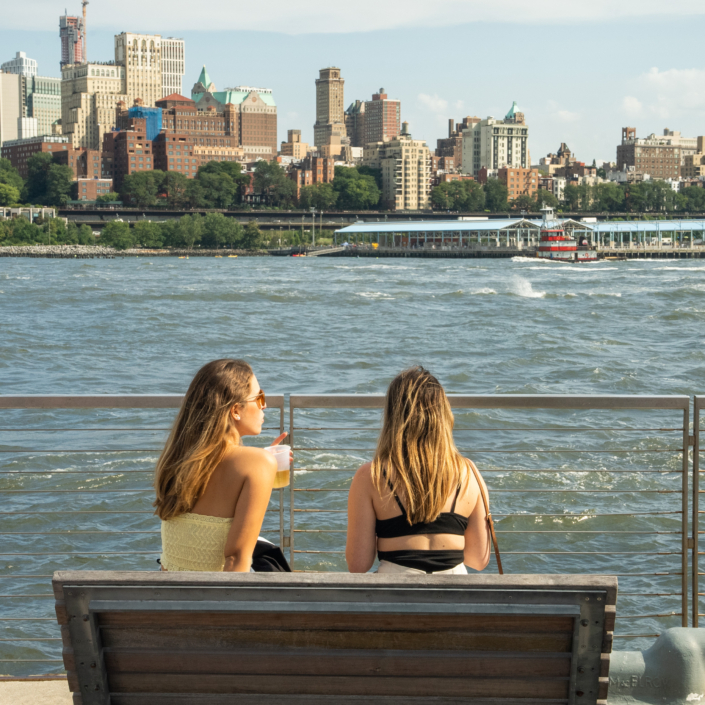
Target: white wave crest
{"x": 522, "y": 287}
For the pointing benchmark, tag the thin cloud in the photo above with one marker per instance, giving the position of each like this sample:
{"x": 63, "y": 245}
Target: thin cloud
{"x": 318, "y": 16}
{"x": 632, "y": 106}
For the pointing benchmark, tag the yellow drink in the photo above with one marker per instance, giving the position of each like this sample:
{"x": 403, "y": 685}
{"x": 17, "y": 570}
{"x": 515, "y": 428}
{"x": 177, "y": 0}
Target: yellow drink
{"x": 281, "y": 479}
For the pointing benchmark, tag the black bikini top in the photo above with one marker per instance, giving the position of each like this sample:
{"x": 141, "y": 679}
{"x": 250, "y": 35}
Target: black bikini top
{"x": 445, "y": 523}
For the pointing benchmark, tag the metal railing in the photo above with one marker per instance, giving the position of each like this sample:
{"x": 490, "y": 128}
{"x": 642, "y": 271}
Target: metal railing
{"x": 74, "y": 493}
{"x": 575, "y": 487}
{"x": 698, "y": 406}
{"x": 588, "y": 484}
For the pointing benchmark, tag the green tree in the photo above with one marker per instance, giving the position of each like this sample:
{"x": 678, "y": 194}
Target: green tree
{"x": 117, "y": 235}
{"x": 495, "y": 196}
{"x": 85, "y": 235}
{"x": 189, "y": 231}
{"x": 231, "y": 169}
{"x": 376, "y": 174}
{"x": 440, "y": 198}
{"x": 219, "y": 190}
{"x": 111, "y": 197}
{"x": 142, "y": 188}
{"x": 523, "y": 203}
{"x": 356, "y": 191}
{"x": 217, "y": 231}
{"x": 252, "y": 237}
{"x": 10, "y": 176}
{"x": 174, "y": 188}
{"x": 458, "y": 196}
{"x": 693, "y": 199}
{"x": 608, "y": 197}
{"x": 148, "y": 234}
{"x": 272, "y": 183}
{"x": 48, "y": 183}
{"x": 571, "y": 197}
{"x": 9, "y": 195}
{"x": 544, "y": 198}
{"x": 322, "y": 197}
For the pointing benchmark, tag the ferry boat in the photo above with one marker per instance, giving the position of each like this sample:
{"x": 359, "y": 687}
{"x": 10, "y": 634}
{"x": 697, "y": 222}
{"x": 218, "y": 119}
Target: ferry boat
{"x": 555, "y": 244}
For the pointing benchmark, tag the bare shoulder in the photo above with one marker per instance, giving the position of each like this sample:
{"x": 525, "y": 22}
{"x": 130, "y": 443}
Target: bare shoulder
{"x": 247, "y": 460}
{"x": 363, "y": 477}
{"x": 473, "y": 478}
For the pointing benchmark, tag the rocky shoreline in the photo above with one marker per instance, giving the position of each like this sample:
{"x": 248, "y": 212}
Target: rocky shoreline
{"x": 89, "y": 252}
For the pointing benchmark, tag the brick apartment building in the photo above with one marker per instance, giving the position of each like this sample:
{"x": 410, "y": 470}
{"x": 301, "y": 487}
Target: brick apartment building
{"x": 652, "y": 155}
{"x": 519, "y": 182}
{"x": 312, "y": 170}
{"x": 90, "y": 189}
{"x": 452, "y": 146}
{"x": 19, "y": 151}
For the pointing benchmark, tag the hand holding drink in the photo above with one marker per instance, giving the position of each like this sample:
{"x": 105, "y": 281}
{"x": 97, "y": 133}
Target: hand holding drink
{"x": 284, "y": 458}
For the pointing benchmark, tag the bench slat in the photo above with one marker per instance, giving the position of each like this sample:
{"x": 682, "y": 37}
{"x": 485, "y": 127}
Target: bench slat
{"x": 254, "y": 699}
{"x": 332, "y": 685}
{"x": 343, "y": 663}
{"x": 213, "y": 638}
{"x": 356, "y": 622}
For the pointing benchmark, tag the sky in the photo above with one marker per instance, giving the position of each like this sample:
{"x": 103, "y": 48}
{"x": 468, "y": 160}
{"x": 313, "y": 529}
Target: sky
{"x": 579, "y": 69}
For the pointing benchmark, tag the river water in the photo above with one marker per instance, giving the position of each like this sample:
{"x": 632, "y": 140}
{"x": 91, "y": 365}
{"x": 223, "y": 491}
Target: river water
{"x": 573, "y": 491}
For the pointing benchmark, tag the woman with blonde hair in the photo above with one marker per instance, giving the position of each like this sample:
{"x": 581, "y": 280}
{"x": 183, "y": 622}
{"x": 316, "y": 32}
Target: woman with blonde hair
{"x": 419, "y": 505}
{"x": 212, "y": 492}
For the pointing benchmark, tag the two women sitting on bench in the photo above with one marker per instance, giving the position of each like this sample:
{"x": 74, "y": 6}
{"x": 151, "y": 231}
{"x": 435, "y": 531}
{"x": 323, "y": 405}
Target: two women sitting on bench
{"x": 419, "y": 505}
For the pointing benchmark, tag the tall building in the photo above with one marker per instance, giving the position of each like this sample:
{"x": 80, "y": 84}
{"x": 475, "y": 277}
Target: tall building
{"x": 405, "y": 166}
{"x": 73, "y": 40}
{"x": 10, "y": 105}
{"x": 494, "y": 144}
{"x": 141, "y": 57}
{"x": 519, "y": 182}
{"x": 382, "y": 118}
{"x": 694, "y": 166}
{"x": 329, "y": 131}
{"x": 688, "y": 145}
{"x": 89, "y": 96}
{"x": 355, "y": 123}
{"x": 21, "y": 65}
{"x": 451, "y": 147}
{"x": 254, "y": 114}
{"x": 44, "y": 103}
{"x": 651, "y": 155}
{"x": 173, "y": 65}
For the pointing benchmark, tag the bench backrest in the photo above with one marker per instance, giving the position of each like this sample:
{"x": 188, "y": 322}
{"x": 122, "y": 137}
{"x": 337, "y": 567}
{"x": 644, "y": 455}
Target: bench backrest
{"x": 216, "y": 638}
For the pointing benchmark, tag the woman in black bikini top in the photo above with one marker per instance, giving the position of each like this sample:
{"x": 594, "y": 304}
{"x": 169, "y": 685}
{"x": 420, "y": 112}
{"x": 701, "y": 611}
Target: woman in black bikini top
{"x": 419, "y": 505}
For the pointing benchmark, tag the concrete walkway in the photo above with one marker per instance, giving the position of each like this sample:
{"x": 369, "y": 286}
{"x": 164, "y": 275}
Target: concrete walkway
{"x": 35, "y": 693}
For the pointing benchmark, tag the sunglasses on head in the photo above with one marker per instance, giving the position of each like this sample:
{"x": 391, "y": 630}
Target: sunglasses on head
{"x": 259, "y": 399}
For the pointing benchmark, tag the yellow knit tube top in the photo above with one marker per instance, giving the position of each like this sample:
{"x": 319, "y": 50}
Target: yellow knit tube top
{"x": 195, "y": 542}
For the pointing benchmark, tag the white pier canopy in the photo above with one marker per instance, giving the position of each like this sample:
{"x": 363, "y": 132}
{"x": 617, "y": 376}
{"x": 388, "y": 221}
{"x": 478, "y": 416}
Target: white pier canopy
{"x": 518, "y": 233}
{"x": 435, "y": 234}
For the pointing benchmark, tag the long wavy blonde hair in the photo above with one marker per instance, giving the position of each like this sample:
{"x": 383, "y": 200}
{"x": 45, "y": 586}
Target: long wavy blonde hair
{"x": 416, "y": 449}
{"x": 200, "y": 435}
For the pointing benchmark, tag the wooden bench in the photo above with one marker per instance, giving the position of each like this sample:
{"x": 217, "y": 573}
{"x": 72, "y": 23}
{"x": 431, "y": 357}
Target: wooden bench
{"x": 216, "y": 638}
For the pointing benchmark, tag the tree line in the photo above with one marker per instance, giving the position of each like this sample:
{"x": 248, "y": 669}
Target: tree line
{"x": 643, "y": 197}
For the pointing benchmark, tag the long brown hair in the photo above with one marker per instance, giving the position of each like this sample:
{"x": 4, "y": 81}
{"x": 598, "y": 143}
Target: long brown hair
{"x": 416, "y": 449}
{"x": 200, "y": 435}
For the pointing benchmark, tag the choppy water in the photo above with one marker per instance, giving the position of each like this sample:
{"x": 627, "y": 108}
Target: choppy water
{"x": 348, "y": 325}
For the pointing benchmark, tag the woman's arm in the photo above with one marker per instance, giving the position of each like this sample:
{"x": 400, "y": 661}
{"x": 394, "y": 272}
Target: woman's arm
{"x": 361, "y": 545}
{"x": 478, "y": 542}
{"x": 259, "y": 469}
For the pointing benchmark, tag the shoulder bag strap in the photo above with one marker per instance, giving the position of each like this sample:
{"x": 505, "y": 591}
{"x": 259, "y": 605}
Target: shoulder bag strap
{"x": 486, "y": 502}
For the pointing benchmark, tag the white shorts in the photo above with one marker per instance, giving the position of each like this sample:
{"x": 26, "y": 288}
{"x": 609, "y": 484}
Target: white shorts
{"x": 388, "y": 567}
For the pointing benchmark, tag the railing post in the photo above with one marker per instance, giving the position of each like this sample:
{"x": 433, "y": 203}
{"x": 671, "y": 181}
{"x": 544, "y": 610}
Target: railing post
{"x": 291, "y": 486}
{"x": 696, "y": 507}
{"x": 281, "y": 491}
{"x": 684, "y": 522}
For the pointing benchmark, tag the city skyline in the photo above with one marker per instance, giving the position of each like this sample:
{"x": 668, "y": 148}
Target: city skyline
{"x": 579, "y": 83}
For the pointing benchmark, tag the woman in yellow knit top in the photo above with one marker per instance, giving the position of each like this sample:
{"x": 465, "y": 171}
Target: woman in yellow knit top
{"x": 212, "y": 492}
